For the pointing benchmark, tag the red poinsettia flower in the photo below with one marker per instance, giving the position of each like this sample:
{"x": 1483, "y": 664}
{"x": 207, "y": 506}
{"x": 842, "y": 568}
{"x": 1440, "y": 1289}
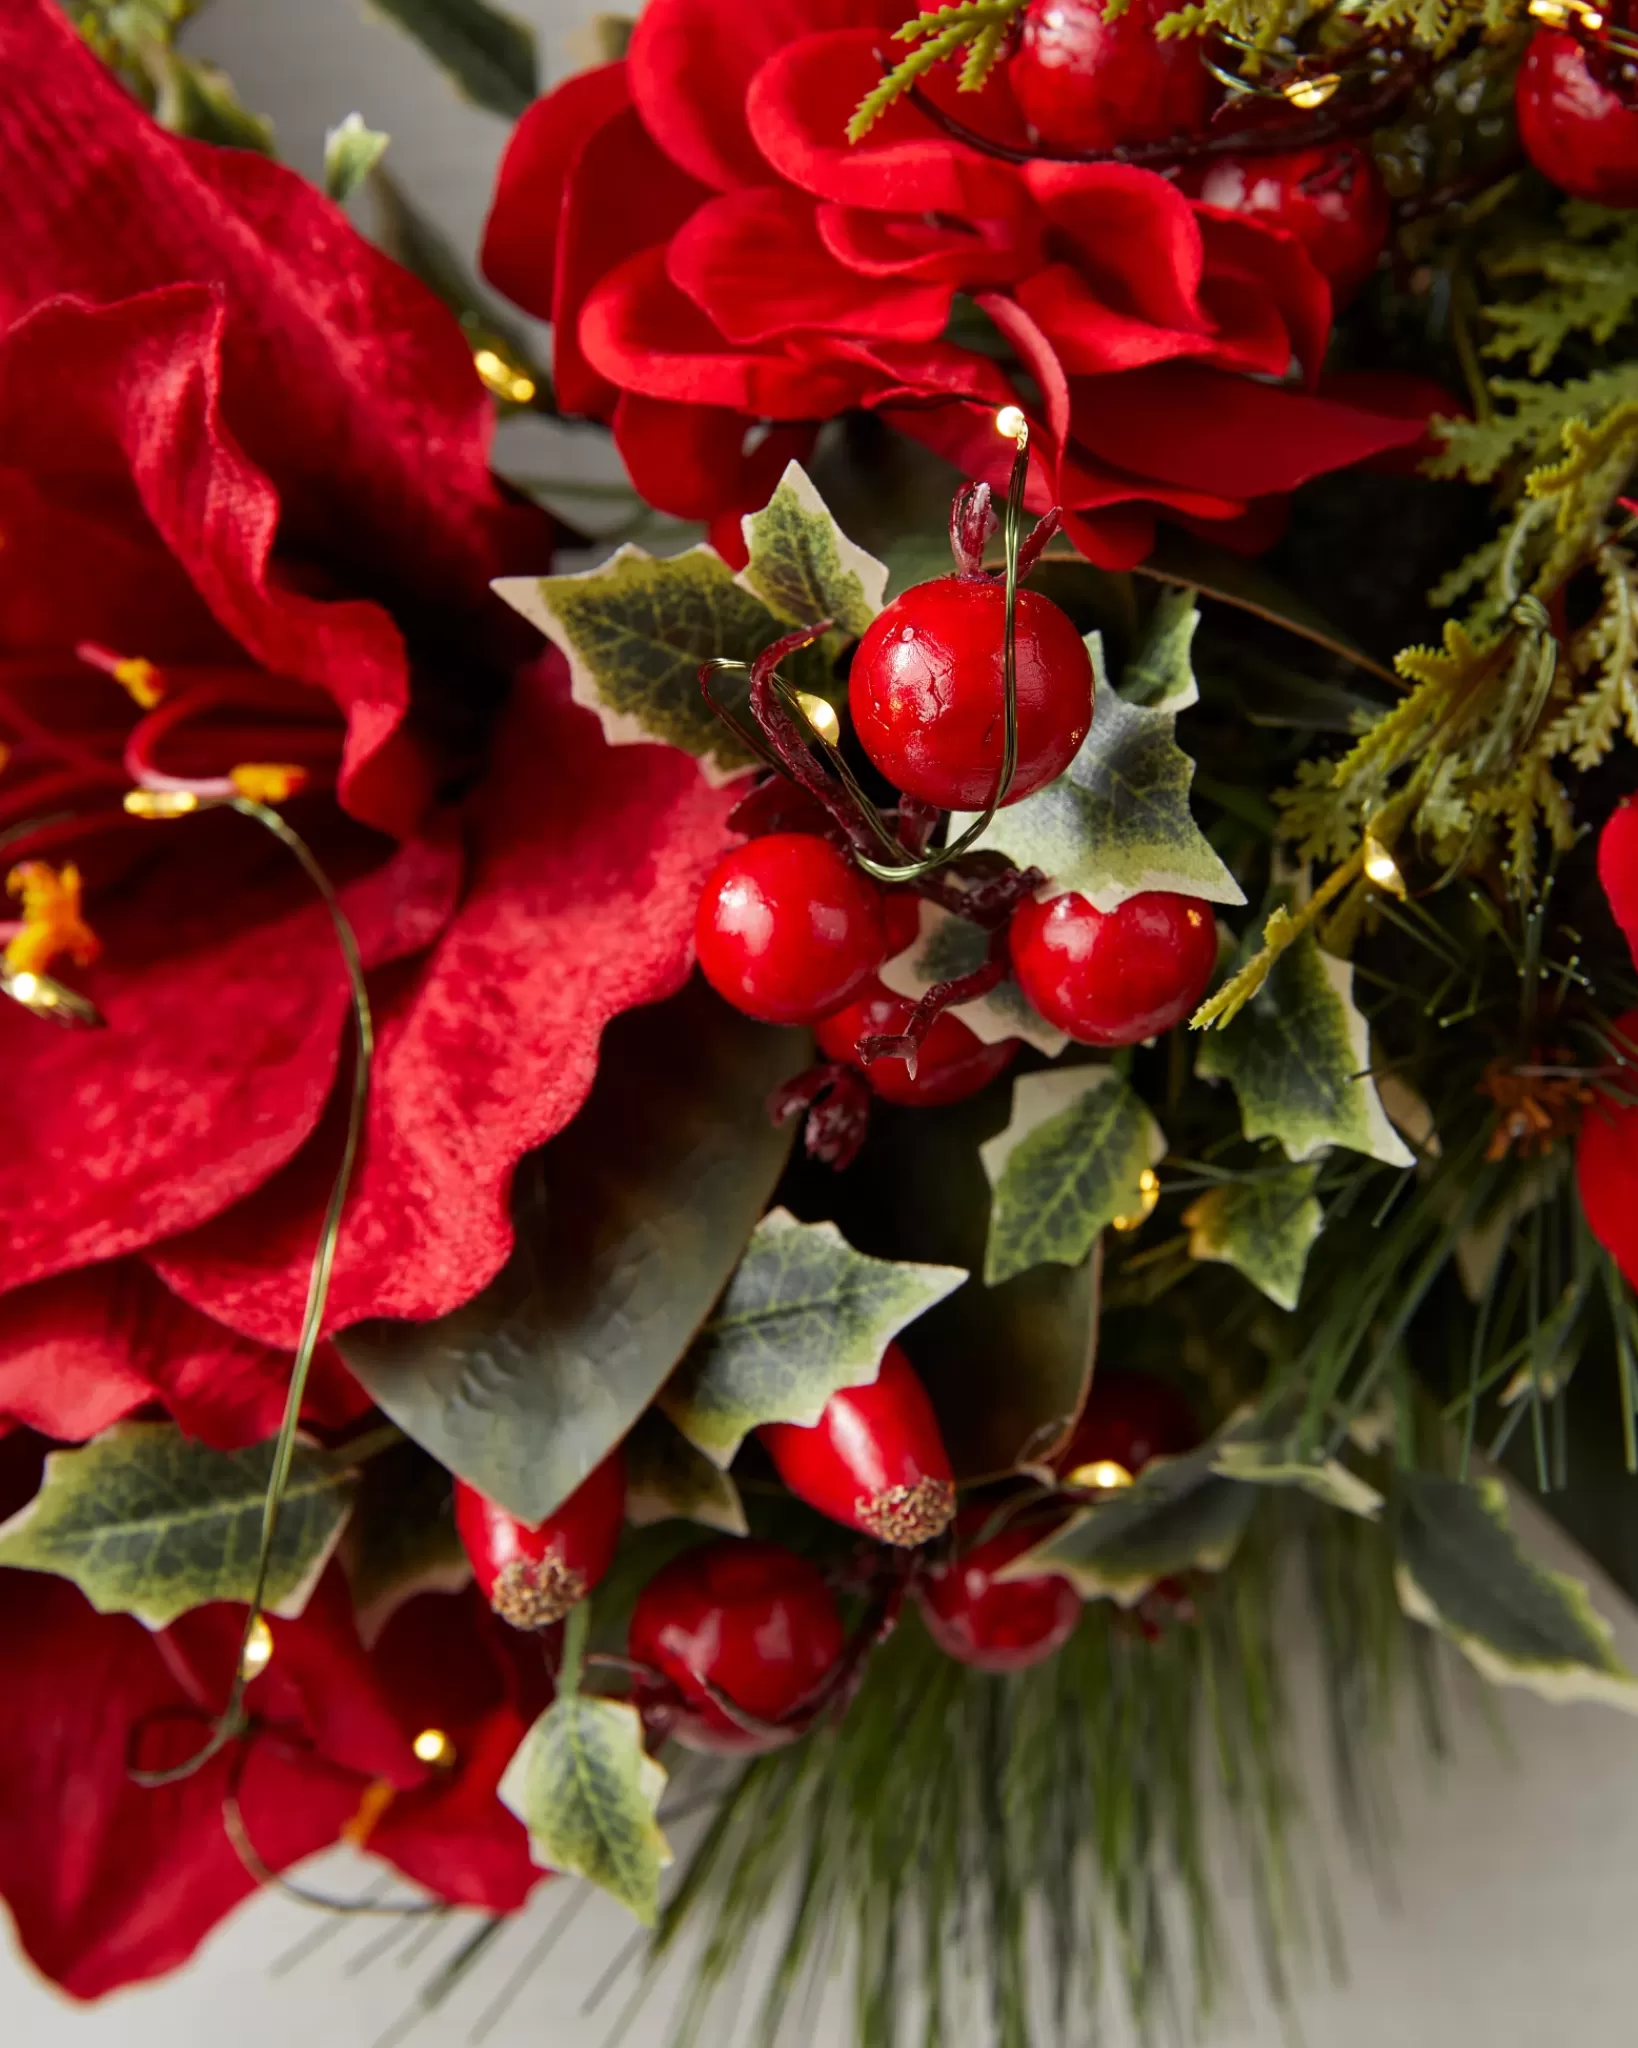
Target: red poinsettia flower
{"x": 716, "y": 258}
{"x": 1607, "y": 1152}
{"x": 248, "y": 533}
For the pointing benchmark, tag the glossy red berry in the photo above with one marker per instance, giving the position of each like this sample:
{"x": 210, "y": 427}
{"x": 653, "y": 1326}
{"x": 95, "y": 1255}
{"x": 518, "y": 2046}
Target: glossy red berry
{"x": 993, "y": 1626}
{"x": 952, "y": 1063}
{"x": 1330, "y": 198}
{"x": 928, "y": 699}
{"x": 1578, "y": 117}
{"x": 533, "y": 1576}
{"x": 1115, "y": 977}
{"x": 1086, "y": 83}
{"x": 874, "y": 1460}
{"x": 788, "y": 928}
{"x": 1130, "y": 1418}
{"x": 751, "y": 1621}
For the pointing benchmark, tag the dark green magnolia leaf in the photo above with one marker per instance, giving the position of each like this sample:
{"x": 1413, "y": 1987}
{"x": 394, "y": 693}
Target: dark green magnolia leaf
{"x": 147, "y": 1522}
{"x": 1298, "y": 1057}
{"x": 1178, "y": 1515}
{"x": 351, "y": 152}
{"x": 586, "y": 1790}
{"x": 1263, "y": 1226}
{"x": 1117, "y": 821}
{"x": 635, "y": 632}
{"x": 628, "y": 1226}
{"x": 948, "y": 946}
{"x": 803, "y": 566}
{"x": 1259, "y": 1463}
{"x": 1460, "y": 1570}
{"x": 668, "y": 1480}
{"x": 489, "y": 56}
{"x": 401, "y": 1540}
{"x": 804, "y": 1316}
{"x": 1070, "y": 1161}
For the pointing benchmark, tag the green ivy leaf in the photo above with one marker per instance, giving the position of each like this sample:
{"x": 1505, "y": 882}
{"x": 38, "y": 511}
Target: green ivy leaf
{"x": 1460, "y": 1570}
{"x": 1067, "y": 1165}
{"x": 804, "y": 1316}
{"x": 628, "y": 1226}
{"x": 668, "y": 1480}
{"x": 803, "y": 566}
{"x": 948, "y": 946}
{"x": 489, "y": 56}
{"x": 1258, "y": 1463}
{"x": 351, "y": 152}
{"x": 147, "y": 1522}
{"x": 586, "y": 1790}
{"x": 635, "y": 632}
{"x": 1298, "y": 1057}
{"x": 1262, "y": 1226}
{"x": 197, "y": 100}
{"x": 401, "y": 1539}
{"x": 1178, "y": 1515}
{"x": 1117, "y": 821}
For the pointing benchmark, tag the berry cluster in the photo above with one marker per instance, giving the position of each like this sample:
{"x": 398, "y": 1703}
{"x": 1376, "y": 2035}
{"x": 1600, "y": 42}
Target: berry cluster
{"x": 738, "y": 1646}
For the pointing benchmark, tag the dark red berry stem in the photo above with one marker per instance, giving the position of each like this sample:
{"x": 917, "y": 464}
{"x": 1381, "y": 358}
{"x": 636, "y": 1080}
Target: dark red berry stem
{"x": 836, "y": 1102}
{"x": 943, "y": 995}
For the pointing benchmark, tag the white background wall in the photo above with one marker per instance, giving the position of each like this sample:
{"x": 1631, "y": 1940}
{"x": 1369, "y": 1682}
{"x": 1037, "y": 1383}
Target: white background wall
{"x": 1516, "y": 1884}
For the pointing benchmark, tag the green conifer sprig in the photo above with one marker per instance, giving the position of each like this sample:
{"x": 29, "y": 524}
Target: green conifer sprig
{"x": 975, "y": 30}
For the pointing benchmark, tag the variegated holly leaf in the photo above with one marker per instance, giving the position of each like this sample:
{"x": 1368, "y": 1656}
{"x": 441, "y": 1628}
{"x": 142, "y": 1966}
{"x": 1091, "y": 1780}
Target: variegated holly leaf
{"x": 488, "y": 55}
{"x": 1298, "y": 1056}
{"x": 401, "y": 1539}
{"x": 804, "y": 1316}
{"x": 635, "y": 632}
{"x": 587, "y": 1791}
{"x": 1178, "y": 1515}
{"x": 803, "y": 566}
{"x": 147, "y": 1522}
{"x": 948, "y": 946}
{"x": 1460, "y": 1570}
{"x": 1161, "y": 673}
{"x": 628, "y": 1225}
{"x": 1263, "y": 1226}
{"x": 1117, "y": 821}
{"x": 1070, "y": 1161}
{"x": 1255, "y": 1462}
{"x": 667, "y": 1479}
{"x": 351, "y": 152}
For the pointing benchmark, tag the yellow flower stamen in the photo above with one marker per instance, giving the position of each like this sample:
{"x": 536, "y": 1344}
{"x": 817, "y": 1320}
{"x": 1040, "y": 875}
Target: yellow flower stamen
{"x": 378, "y": 1796}
{"x": 140, "y": 679}
{"x": 52, "y": 925}
{"x": 267, "y": 782}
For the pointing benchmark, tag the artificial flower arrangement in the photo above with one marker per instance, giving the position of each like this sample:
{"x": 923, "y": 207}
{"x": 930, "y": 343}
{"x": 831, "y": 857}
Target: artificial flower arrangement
{"x": 841, "y": 1144}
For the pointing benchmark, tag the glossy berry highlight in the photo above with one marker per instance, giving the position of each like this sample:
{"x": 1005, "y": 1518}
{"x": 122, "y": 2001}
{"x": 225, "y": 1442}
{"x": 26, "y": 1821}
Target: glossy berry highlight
{"x": 1330, "y": 198}
{"x": 1082, "y": 82}
{"x": 991, "y": 1624}
{"x": 533, "y": 1576}
{"x": 751, "y": 1622}
{"x": 952, "y": 1061}
{"x": 1114, "y": 977}
{"x": 789, "y": 928}
{"x": 928, "y": 699}
{"x": 1578, "y": 117}
{"x": 874, "y": 1460}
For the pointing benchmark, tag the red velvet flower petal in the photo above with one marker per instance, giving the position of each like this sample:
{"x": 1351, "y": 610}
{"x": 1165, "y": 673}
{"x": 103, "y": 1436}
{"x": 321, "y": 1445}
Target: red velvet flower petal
{"x": 1275, "y": 275}
{"x": 1116, "y": 537}
{"x": 224, "y": 993}
{"x": 1606, "y": 1161}
{"x": 519, "y": 254}
{"x": 754, "y": 263}
{"x": 1132, "y": 237}
{"x": 108, "y": 1881}
{"x": 691, "y": 62}
{"x": 693, "y": 461}
{"x": 1088, "y": 335}
{"x": 1618, "y": 868}
{"x": 79, "y": 1352}
{"x": 590, "y": 860}
{"x": 943, "y": 250}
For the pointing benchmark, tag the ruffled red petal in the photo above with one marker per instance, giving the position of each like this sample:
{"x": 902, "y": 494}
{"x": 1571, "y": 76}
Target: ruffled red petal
{"x": 1131, "y": 235}
{"x": 698, "y": 461}
{"x": 589, "y": 864}
{"x": 1618, "y": 868}
{"x": 1274, "y": 274}
{"x": 942, "y": 250}
{"x": 1606, "y": 1161}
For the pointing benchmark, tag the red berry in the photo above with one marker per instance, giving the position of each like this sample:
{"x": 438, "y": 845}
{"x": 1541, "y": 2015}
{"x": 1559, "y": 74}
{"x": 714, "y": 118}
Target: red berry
{"x": 1331, "y": 199}
{"x": 1130, "y": 1418}
{"x": 997, "y": 1627}
{"x": 753, "y": 1621}
{"x": 902, "y": 909}
{"x": 1578, "y": 118}
{"x": 953, "y": 1062}
{"x": 927, "y": 693}
{"x": 1113, "y": 978}
{"x": 1085, "y": 83}
{"x": 874, "y": 1459}
{"x": 788, "y": 928}
{"x": 533, "y": 1576}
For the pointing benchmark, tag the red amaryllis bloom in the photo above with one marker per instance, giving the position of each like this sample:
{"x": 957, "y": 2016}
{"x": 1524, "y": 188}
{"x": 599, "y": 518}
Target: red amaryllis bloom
{"x": 248, "y": 531}
{"x": 715, "y": 257}
{"x": 1607, "y": 1152}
